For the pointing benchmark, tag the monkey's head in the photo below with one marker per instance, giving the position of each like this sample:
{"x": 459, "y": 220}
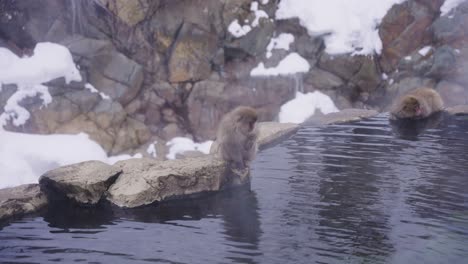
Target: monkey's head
{"x": 246, "y": 117}
{"x": 410, "y": 107}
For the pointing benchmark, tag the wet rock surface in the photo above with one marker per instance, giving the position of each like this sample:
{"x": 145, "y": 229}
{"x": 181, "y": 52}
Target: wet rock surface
{"x": 145, "y": 181}
{"x": 21, "y": 200}
{"x": 83, "y": 183}
{"x": 271, "y": 133}
{"x": 458, "y": 110}
{"x": 346, "y": 115}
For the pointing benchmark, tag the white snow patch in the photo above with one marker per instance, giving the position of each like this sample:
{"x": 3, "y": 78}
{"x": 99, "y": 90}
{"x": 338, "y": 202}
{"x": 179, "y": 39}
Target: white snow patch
{"x": 15, "y": 112}
{"x": 304, "y": 106}
{"x": 50, "y": 61}
{"x": 25, "y": 157}
{"x": 384, "y": 76}
{"x": 113, "y": 159}
{"x": 408, "y": 58}
{"x": 151, "y": 150}
{"x": 352, "y": 23}
{"x": 449, "y": 5}
{"x": 283, "y": 41}
{"x": 258, "y": 13}
{"x": 94, "y": 90}
{"x": 264, "y": 2}
{"x": 237, "y": 30}
{"x": 424, "y": 51}
{"x": 291, "y": 64}
{"x": 182, "y": 144}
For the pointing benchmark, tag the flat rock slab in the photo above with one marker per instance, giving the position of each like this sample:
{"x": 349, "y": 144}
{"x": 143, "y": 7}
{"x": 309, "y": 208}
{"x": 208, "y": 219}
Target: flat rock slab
{"x": 346, "y": 115}
{"x": 271, "y": 133}
{"x": 458, "y": 110}
{"x": 21, "y": 200}
{"x": 145, "y": 181}
{"x": 84, "y": 183}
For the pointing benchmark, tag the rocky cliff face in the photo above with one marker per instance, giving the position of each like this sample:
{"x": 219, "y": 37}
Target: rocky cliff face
{"x": 171, "y": 68}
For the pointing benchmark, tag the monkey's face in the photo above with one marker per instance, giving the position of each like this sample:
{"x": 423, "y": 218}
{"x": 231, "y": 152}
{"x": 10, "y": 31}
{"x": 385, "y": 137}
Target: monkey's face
{"x": 247, "y": 123}
{"x": 411, "y": 108}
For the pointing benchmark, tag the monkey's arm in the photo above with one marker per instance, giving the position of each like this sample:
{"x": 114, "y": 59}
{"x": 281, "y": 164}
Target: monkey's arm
{"x": 232, "y": 151}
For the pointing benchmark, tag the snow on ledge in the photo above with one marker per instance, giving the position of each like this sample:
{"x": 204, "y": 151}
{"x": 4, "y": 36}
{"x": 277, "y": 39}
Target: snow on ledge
{"x": 25, "y": 157}
{"x": 351, "y": 24}
{"x": 237, "y": 30}
{"x": 50, "y": 61}
{"x": 283, "y": 41}
{"x": 181, "y": 144}
{"x": 151, "y": 150}
{"x": 424, "y": 51}
{"x": 304, "y": 106}
{"x": 94, "y": 90}
{"x": 449, "y": 5}
{"x": 291, "y": 64}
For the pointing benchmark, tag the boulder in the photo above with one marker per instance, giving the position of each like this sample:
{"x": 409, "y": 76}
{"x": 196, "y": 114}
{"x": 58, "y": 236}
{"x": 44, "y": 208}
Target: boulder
{"x": 131, "y": 12}
{"x": 131, "y": 134}
{"x": 444, "y": 62}
{"x": 361, "y": 71}
{"x": 344, "y": 66}
{"x": 84, "y": 183}
{"x": 191, "y": 54}
{"x": 271, "y": 133}
{"x": 450, "y": 64}
{"x": 116, "y": 75}
{"x": 86, "y": 47}
{"x": 404, "y": 29}
{"x": 48, "y": 119}
{"x": 21, "y": 200}
{"x": 452, "y": 94}
{"x": 145, "y": 181}
{"x": 255, "y": 42}
{"x": 368, "y": 77}
{"x": 433, "y": 5}
{"x": 451, "y": 29}
{"x": 83, "y": 124}
{"x": 236, "y": 9}
{"x": 346, "y": 115}
{"x": 308, "y": 47}
{"x": 322, "y": 80}
{"x": 458, "y": 110}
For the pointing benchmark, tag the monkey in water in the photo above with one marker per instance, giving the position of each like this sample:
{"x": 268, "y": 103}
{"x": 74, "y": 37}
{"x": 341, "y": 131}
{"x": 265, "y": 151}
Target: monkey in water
{"x": 417, "y": 104}
{"x": 236, "y": 139}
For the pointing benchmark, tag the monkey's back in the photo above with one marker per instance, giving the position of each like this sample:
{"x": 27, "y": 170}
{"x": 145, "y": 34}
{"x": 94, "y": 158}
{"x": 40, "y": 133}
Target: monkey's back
{"x": 231, "y": 143}
{"x": 431, "y": 98}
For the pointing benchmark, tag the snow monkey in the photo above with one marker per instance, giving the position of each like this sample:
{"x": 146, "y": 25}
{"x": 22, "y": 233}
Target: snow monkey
{"x": 236, "y": 139}
{"x": 416, "y": 104}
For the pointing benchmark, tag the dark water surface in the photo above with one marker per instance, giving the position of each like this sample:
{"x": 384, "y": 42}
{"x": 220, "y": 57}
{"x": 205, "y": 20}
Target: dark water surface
{"x": 351, "y": 193}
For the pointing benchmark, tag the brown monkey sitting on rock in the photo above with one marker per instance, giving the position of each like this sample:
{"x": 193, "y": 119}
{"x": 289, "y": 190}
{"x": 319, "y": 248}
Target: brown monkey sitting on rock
{"x": 417, "y": 104}
{"x": 236, "y": 139}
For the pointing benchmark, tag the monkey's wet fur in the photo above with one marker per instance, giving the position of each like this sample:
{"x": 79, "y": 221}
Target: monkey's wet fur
{"x": 236, "y": 139}
{"x": 417, "y": 104}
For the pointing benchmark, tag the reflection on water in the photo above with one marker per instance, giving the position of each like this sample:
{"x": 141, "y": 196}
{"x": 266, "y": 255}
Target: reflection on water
{"x": 350, "y": 193}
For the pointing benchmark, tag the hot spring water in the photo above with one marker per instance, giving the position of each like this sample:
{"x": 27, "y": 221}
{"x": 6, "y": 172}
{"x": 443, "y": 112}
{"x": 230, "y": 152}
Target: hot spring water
{"x": 348, "y": 193}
